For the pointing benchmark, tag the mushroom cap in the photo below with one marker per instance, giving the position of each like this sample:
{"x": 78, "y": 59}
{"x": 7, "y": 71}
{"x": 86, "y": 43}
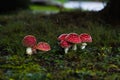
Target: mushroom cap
{"x": 29, "y": 41}
{"x": 85, "y": 37}
{"x": 43, "y": 46}
{"x": 73, "y": 38}
{"x": 62, "y": 37}
{"x": 64, "y": 44}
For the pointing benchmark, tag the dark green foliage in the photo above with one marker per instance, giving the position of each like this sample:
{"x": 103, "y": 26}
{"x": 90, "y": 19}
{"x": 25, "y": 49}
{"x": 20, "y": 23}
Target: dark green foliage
{"x": 13, "y": 5}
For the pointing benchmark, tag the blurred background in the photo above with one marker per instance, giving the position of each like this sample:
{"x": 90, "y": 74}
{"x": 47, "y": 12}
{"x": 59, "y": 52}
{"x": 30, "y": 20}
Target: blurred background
{"x": 51, "y": 6}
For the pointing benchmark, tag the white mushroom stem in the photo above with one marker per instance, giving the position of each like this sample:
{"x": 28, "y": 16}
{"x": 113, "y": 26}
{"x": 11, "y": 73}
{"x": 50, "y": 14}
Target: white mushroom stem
{"x": 29, "y": 51}
{"x": 83, "y": 45}
{"x": 74, "y": 47}
{"x": 66, "y": 50}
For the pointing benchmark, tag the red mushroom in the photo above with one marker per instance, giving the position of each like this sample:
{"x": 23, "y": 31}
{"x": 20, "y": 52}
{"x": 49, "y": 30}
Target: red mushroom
{"x": 43, "y": 46}
{"x": 85, "y": 38}
{"x": 74, "y": 39}
{"x": 29, "y": 41}
{"x": 61, "y": 37}
{"x": 64, "y": 44}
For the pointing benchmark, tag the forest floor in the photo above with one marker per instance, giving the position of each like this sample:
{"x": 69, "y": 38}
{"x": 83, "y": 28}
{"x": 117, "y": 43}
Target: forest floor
{"x": 100, "y": 60}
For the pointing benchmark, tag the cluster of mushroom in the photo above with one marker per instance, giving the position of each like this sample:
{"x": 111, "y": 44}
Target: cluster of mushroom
{"x": 72, "y": 39}
{"x": 30, "y": 42}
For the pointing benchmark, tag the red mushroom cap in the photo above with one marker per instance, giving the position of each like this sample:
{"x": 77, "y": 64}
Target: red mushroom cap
{"x": 64, "y": 44}
{"x": 43, "y": 46}
{"x": 62, "y": 37}
{"x": 29, "y": 41}
{"x": 73, "y": 38}
{"x": 85, "y": 37}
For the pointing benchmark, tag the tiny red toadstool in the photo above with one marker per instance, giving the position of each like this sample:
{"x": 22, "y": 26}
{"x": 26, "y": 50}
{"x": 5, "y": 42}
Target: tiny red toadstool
{"x": 29, "y": 41}
{"x": 61, "y": 37}
{"x": 85, "y": 38}
{"x": 64, "y": 44}
{"x": 43, "y": 46}
{"x": 74, "y": 39}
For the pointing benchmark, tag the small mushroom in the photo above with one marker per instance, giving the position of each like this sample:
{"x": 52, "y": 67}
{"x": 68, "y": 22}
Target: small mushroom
{"x": 43, "y": 46}
{"x": 85, "y": 38}
{"x": 61, "y": 37}
{"x": 29, "y": 41}
{"x": 74, "y": 39}
{"x": 66, "y": 45}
